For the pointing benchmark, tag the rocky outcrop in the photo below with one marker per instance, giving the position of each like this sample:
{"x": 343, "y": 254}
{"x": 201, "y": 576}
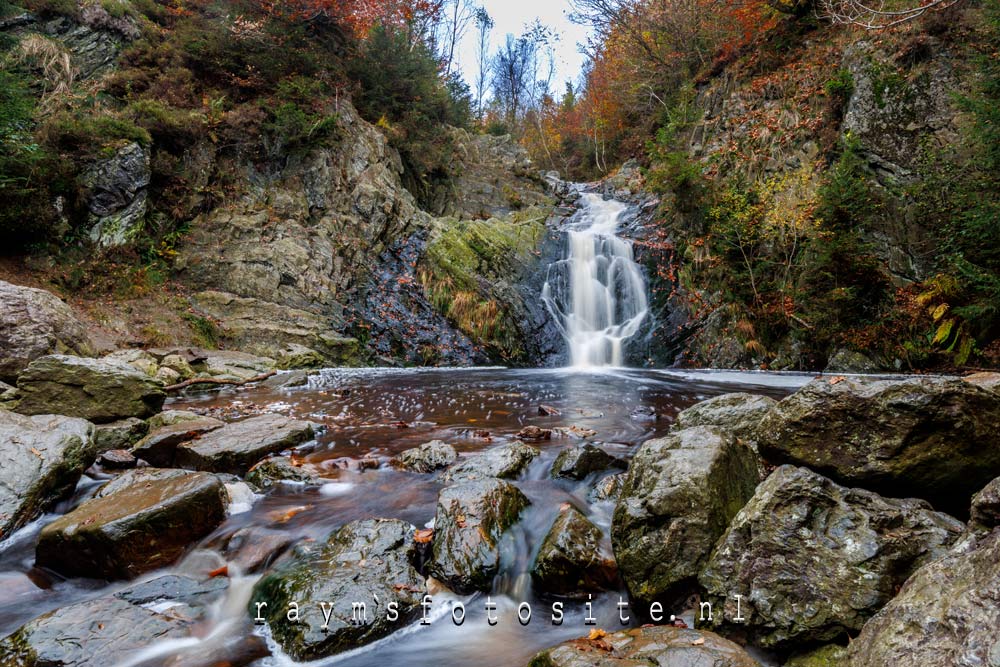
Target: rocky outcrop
{"x": 41, "y": 460}
{"x": 114, "y": 189}
{"x": 34, "y": 323}
{"x": 160, "y": 445}
{"x": 572, "y": 559}
{"x": 680, "y": 495}
{"x": 504, "y": 462}
{"x": 815, "y": 560}
{"x": 428, "y": 457}
{"x": 135, "y": 529}
{"x": 100, "y": 390}
{"x": 470, "y": 520}
{"x": 362, "y": 562}
{"x": 945, "y": 614}
{"x": 663, "y": 646}
{"x": 932, "y": 438}
{"x": 237, "y": 446}
{"x": 582, "y": 460}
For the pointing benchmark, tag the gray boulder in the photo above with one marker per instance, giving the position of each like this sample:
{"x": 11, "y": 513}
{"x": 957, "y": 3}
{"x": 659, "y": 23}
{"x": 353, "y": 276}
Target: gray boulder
{"x": 34, "y": 323}
{"x": 121, "y": 434}
{"x": 277, "y": 469}
{"x": 814, "y": 560}
{"x": 470, "y": 520}
{"x": 136, "y": 529}
{"x": 160, "y": 445}
{"x": 931, "y": 438}
{"x": 663, "y": 646}
{"x": 362, "y": 561}
{"x": 100, "y": 390}
{"x": 235, "y": 447}
{"x": 428, "y": 457}
{"x": 572, "y": 559}
{"x": 504, "y": 462}
{"x": 986, "y": 507}
{"x": 850, "y": 361}
{"x": 582, "y": 460}
{"x": 41, "y": 460}
{"x": 680, "y": 494}
{"x": 739, "y": 412}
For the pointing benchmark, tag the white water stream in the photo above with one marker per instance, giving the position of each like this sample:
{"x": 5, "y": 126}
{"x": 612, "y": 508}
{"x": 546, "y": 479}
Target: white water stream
{"x": 597, "y": 294}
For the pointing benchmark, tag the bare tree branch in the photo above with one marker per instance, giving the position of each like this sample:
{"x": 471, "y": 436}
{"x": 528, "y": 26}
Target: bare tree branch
{"x": 877, "y": 14}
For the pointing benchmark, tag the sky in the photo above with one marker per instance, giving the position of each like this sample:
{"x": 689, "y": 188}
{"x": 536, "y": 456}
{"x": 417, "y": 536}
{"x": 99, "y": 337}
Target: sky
{"x": 511, "y": 16}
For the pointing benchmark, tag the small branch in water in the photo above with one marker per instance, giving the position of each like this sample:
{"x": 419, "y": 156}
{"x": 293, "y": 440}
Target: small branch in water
{"x": 217, "y": 381}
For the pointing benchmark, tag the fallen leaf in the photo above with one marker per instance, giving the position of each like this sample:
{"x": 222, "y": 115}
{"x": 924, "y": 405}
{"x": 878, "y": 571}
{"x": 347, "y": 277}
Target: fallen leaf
{"x": 698, "y": 642}
{"x": 219, "y": 572}
{"x": 279, "y": 516}
{"x": 564, "y": 506}
{"x": 837, "y": 380}
{"x": 423, "y": 535}
{"x": 37, "y": 453}
{"x": 596, "y": 633}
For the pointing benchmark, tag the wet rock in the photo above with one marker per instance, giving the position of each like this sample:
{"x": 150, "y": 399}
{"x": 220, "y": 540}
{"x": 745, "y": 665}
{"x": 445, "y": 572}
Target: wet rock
{"x": 850, "y": 361}
{"x": 295, "y": 356}
{"x": 253, "y": 548}
{"x": 830, "y": 655}
{"x": 193, "y": 593}
{"x": 35, "y": 323}
{"x": 428, "y": 457}
{"x": 232, "y": 365}
{"x": 134, "y": 530}
{"x": 235, "y": 447}
{"x": 117, "y": 459}
{"x": 289, "y": 380}
{"x": 141, "y": 360}
{"x": 171, "y": 417}
{"x": 41, "y": 460}
{"x": 363, "y": 560}
{"x": 532, "y": 432}
{"x": 470, "y": 520}
{"x": 680, "y": 494}
{"x": 816, "y": 559}
{"x": 504, "y": 462}
{"x": 572, "y": 559}
{"x": 931, "y": 438}
{"x": 277, "y": 469}
{"x": 738, "y": 412}
{"x": 661, "y": 645}
{"x": 99, "y": 390}
{"x": 121, "y": 434}
{"x": 643, "y": 413}
{"x": 177, "y": 364}
{"x": 547, "y": 411}
{"x": 582, "y": 460}
{"x": 608, "y": 488}
{"x": 945, "y": 614}
{"x": 139, "y": 477}
{"x": 986, "y": 507}
{"x": 160, "y": 445}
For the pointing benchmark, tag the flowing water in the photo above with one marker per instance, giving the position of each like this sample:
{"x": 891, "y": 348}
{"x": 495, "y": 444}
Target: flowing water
{"x": 597, "y": 294}
{"x": 380, "y": 412}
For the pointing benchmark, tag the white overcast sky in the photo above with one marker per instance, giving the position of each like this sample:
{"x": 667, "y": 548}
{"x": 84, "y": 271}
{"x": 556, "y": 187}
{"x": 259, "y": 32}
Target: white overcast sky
{"x": 511, "y": 16}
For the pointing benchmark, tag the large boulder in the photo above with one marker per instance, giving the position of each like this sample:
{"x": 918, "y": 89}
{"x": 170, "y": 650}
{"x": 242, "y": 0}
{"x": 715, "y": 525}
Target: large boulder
{"x": 739, "y": 412}
{"x": 985, "y": 512}
{"x": 931, "y": 438}
{"x": 946, "y": 614}
{"x": 663, "y": 646}
{"x": 121, "y": 434}
{"x": 41, "y": 460}
{"x": 814, "y": 560}
{"x": 34, "y": 323}
{"x": 428, "y": 457}
{"x": 362, "y": 562}
{"x": 504, "y": 462}
{"x": 101, "y": 390}
{"x": 138, "y": 528}
{"x": 680, "y": 495}
{"x": 235, "y": 447}
{"x": 470, "y": 520}
{"x": 159, "y": 446}
{"x": 572, "y": 559}
{"x": 582, "y": 460}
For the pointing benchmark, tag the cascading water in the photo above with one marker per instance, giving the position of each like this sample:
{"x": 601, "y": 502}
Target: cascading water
{"x": 597, "y": 294}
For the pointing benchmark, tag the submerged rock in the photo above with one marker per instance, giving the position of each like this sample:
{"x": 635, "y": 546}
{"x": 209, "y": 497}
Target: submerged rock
{"x": 160, "y": 445}
{"x": 235, "y": 447}
{"x": 100, "y": 390}
{"x": 663, "y": 646}
{"x": 582, "y": 460}
{"x": 572, "y": 560}
{"x": 945, "y": 614}
{"x": 277, "y": 469}
{"x": 470, "y": 520}
{"x": 428, "y": 457}
{"x": 816, "y": 560}
{"x": 362, "y": 561}
{"x": 504, "y": 462}
{"x": 136, "y": 529}
{"x": 680, "y": 494}
{"x": 41, "y": 460}
{"x": 931, "y": 438}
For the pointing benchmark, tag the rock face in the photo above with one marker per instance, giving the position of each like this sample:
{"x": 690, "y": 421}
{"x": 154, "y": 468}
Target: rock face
{"x": 100, "y": 390}
{"x": 815, "y": 560}
{"x": 571, "y": 560}
{"x": 582, "y": 460}
{"x": 468, "y": 525}
{"x": 680, "y": 494}
{"x": 363, "y": 559}
{"x": 986, "y": 506}
{"x": 945, "y": 614}
{"x": 115, "y": 191}
{"x": 159, "y": 446}
{"x": 737, "y": 412}
{"x": 134, "y": 530}
{"x": 663, "y": 646}
{"x": 236, "y": 447}
{"x": 428, "y": 457}
{"x": 34, "y": 323}
{"x": 504, "y": 462}
{"x": 41, "y": 460}
{"x": 930, "y": 438}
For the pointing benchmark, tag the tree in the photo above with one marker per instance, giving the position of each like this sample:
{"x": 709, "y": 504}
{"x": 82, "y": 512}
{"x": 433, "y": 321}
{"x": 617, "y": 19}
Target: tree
{"x": 885, "y": 13}
{"x": 484, "y": 24}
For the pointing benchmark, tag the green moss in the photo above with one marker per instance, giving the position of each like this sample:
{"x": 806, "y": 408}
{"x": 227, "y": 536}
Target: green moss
{"x": 204, "y": 329}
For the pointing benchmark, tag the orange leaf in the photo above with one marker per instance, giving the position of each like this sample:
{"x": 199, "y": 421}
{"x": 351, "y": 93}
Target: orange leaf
{"x": 423, "y": 536}
{"x": 220, "y": 572}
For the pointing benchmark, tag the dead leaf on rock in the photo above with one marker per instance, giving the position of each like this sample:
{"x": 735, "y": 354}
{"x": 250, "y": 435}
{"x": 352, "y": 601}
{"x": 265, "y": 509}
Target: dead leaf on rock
{"x": 219, "y": 572}
{"x": 837, "y": 380}
{"x": 423, "y": 535}
{"x": 596, "y": 633}
{"x": 285, "y": 516}
{"x": 698, "y": 642}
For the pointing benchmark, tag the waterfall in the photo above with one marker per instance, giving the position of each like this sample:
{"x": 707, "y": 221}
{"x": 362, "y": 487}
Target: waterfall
{"x": 597, "y": 294}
